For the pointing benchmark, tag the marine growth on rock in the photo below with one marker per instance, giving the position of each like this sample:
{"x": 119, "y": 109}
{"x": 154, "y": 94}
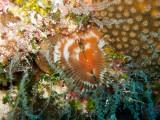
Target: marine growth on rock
{"x": 80, "y": 59}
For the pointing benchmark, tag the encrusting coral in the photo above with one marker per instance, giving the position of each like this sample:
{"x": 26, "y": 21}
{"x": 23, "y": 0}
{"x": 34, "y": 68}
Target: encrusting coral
{"x": 139, "y": 36}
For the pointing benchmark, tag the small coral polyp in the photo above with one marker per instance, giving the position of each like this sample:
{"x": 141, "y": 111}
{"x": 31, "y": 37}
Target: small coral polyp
{"x": 83, "y": 60}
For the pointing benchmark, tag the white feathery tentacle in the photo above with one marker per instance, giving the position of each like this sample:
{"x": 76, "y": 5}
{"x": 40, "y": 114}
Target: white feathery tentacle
{"x": 66, "y": 53}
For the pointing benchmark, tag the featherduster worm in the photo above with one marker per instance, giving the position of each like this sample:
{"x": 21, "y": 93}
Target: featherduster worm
{"x": 83, "y": 61}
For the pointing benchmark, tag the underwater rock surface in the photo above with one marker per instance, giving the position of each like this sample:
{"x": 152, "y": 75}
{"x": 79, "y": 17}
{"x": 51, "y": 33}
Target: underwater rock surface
{"x": 80, "y": 59}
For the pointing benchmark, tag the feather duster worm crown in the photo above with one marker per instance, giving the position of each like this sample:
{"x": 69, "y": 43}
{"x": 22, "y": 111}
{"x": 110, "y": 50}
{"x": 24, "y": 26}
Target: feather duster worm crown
{"x": 85, "y": 62}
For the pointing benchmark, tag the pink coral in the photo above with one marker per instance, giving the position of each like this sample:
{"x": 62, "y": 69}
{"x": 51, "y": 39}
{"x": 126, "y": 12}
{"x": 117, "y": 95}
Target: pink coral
{"x": 3, "y": 4}
{"x": 63, "y": 9}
